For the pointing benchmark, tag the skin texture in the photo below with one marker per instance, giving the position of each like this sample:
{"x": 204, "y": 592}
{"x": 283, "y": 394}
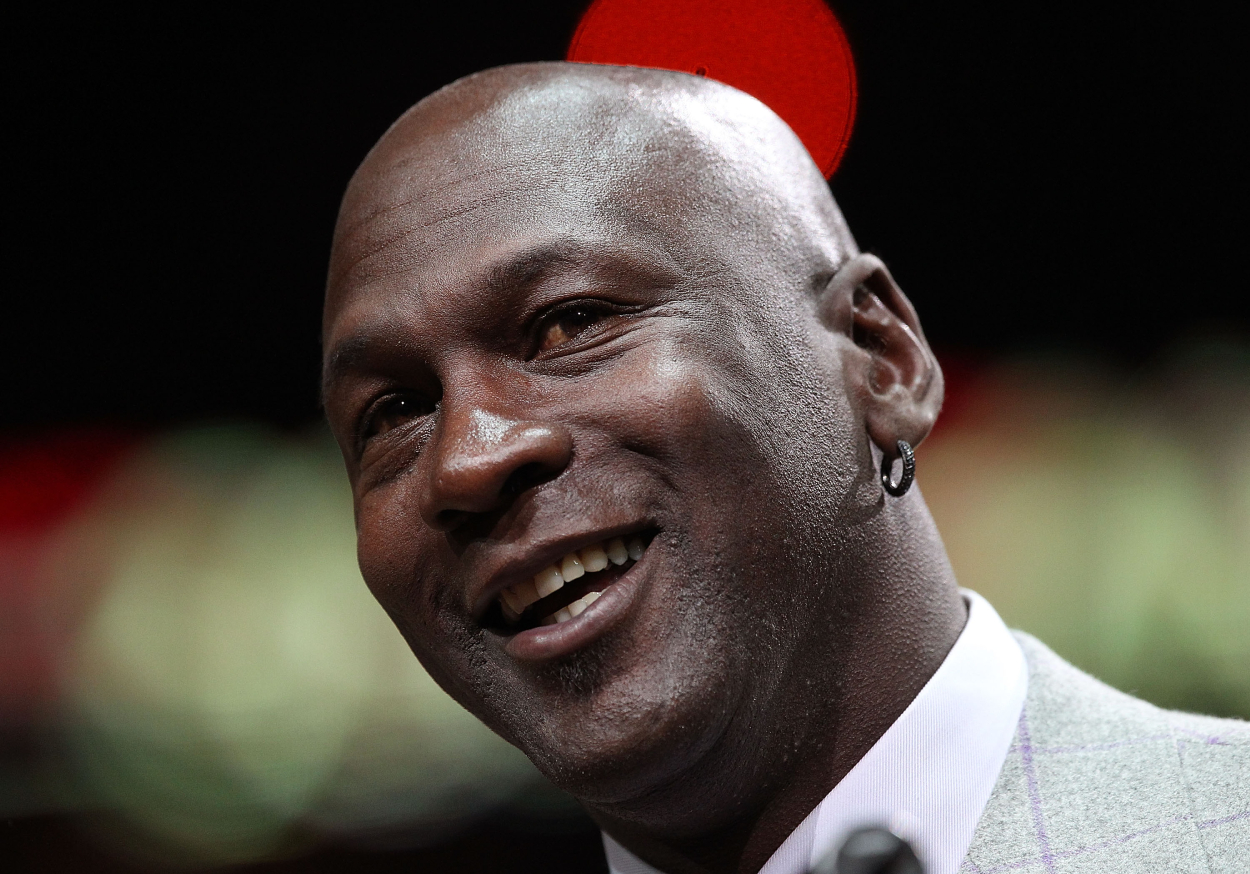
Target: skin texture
{"x": 568, "y": 301}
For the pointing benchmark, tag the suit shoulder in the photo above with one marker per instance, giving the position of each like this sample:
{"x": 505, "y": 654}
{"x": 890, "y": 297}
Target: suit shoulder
{"x": 1099, "y": 778}
{"x": 1072, "y": 706}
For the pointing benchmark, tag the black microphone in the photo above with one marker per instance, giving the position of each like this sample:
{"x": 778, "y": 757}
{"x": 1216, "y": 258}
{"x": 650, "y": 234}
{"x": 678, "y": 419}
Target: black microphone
{"x": 871, "y": 851}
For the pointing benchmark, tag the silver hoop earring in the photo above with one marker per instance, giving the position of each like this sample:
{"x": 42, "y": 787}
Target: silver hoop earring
{"x": 909, "y": 470}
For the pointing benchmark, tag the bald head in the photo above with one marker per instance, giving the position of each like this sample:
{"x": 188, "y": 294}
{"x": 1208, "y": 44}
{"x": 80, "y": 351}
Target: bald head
{"x": 634, "y": 146}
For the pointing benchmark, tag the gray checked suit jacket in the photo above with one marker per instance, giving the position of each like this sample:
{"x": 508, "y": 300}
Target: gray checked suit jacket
{"x": 1098, "y": 781}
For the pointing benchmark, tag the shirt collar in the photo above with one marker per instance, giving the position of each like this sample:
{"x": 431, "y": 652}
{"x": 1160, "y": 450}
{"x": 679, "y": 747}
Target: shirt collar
{"x": 930, "y": 775}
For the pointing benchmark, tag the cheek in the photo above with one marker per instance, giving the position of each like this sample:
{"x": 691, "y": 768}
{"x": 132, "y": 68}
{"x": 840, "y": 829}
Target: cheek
{"x": 706, "y": 433}
{"x": 393, "y": 549}
{"x": 760, "y": 450}
{"x": 383, "y": 546}
{"x": 675, "y": 408}
{"x": 401, "y": 566}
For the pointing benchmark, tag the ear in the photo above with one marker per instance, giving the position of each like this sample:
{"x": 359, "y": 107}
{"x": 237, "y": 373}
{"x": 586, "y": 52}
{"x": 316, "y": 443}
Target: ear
{"x": 890, "y": 369}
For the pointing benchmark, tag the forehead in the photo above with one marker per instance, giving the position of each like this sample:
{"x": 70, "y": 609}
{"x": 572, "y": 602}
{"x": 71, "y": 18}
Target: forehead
{"x": 580, "y": 145}
{"x": 693, "y": 176}
{"x": 558, "y": 163}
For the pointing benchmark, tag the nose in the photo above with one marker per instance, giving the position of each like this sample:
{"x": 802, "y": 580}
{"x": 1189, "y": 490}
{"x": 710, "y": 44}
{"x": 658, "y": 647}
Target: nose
{"x": 482, "y": 461}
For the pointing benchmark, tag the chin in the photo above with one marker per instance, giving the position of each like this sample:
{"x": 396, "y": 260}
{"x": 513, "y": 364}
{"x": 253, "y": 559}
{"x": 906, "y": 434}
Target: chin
{"x": 634, "y": 733}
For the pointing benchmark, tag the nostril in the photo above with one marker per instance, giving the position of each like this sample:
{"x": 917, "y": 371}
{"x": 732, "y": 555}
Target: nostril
{"x": 449, "y": 520}
{"x": 524, "y": 477}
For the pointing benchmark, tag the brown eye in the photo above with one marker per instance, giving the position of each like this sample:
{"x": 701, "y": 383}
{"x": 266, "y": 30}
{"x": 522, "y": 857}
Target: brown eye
{"x": 394, "y": 413}
{"x": 568, "y": 324}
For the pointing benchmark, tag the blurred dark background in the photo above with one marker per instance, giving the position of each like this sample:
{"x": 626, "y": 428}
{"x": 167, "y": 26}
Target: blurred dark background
{"x": 1062, "y": 182}
{"x": 1059, "y": 175}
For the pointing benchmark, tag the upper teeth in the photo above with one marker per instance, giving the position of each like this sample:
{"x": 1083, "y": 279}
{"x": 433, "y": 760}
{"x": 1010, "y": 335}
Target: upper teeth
{"x": 514, "y": 599}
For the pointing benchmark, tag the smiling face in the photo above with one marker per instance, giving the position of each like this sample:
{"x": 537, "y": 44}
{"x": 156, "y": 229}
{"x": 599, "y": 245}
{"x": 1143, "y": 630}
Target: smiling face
{"x": 610, "y": 482}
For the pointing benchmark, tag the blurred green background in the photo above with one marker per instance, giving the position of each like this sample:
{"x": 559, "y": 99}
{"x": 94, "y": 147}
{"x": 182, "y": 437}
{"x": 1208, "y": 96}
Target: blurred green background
{"x": 213, "y": 684}
{"x": 1109, "y": 515}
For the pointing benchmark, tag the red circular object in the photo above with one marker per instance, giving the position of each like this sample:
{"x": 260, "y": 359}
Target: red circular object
{"x": 792, "y": 55}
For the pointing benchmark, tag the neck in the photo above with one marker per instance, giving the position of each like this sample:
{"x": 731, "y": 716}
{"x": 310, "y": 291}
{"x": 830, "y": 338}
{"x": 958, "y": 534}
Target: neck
{"x": 728, "y": 813}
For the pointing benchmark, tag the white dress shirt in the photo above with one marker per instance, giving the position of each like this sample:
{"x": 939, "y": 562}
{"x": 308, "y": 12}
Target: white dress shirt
{"x": 930, "y": 775}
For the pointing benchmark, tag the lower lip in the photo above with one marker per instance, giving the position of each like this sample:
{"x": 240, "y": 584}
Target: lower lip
{"x": 552, "y": 641}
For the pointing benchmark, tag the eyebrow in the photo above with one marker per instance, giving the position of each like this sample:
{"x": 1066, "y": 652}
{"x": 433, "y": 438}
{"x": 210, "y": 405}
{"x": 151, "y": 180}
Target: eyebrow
{"x": 510, "y": 273}
{"x": 346, "y": 357}
{"x": 523, "y": 268}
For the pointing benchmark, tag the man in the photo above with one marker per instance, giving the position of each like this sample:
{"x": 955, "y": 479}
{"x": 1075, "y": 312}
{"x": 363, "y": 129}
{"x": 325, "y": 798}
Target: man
{"x": 612, "y": 383}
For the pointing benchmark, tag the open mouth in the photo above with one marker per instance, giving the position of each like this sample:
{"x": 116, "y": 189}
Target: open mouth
{"x": 566, "y": 589}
